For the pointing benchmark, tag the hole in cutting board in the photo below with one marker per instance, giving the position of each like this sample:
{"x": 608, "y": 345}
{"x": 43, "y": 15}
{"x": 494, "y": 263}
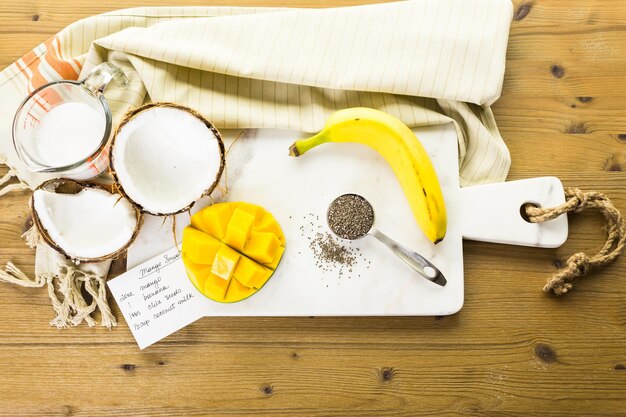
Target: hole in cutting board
{"x": 522, "y": 210}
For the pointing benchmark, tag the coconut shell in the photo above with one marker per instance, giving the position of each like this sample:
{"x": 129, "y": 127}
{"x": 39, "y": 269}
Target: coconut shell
{"x": 68, "y": 186}
{"x": 133, "y": 113}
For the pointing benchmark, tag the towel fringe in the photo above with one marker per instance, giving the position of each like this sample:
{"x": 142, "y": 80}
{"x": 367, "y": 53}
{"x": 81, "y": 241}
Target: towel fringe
{"x": 32, "y": 237}
{"x": 73, "y": 309}
{"x": 96, "y": 287}
{"x": 62, "y": 308}
{"x": 8, "y": 177}
{"x": 14, "y": 275}
{"x": 20, "y": 186}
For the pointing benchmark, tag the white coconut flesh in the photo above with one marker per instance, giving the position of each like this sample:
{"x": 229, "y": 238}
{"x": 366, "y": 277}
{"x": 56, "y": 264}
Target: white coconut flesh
{"x": 90, "y": 224}
{"x": 165, "y": 159}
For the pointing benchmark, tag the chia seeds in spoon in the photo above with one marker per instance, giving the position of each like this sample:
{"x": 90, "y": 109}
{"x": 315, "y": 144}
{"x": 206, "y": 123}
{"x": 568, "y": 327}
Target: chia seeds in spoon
{"x": 350, "y": 216}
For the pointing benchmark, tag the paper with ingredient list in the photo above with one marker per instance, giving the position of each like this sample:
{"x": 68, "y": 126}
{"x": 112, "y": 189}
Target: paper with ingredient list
{"x": 157, "y": 299}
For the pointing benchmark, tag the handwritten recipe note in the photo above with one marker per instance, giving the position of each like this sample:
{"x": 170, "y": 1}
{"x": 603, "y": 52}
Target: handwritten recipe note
{"x": 157, "y": 299}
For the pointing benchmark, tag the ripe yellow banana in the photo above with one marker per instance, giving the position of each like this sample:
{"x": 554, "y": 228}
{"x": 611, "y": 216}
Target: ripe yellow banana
{"x": 403, "y": 152}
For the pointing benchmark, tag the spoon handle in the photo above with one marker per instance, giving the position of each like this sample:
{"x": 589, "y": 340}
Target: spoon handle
{"x": 413, "y": 259}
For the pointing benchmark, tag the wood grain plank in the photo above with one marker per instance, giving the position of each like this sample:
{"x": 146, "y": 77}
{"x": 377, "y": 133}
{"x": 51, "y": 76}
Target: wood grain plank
{"x": 512, "y": 351}
{"x": 569, "y": 115}
{"x": 566, "y": 14}
{"x": 575, "y": 78}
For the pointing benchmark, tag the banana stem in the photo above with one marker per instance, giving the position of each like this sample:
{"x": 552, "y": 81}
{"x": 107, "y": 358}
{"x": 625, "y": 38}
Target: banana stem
{"x": 300, "y": 147}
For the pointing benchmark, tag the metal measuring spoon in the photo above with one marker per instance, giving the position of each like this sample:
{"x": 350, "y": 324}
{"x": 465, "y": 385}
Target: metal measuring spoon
{"x": 351, "y": 216}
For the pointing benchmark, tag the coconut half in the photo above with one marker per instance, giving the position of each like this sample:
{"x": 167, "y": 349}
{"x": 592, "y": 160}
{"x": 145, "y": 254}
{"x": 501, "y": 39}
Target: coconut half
{"x": 165, "y": 156}
{"x": 84, "y": 222}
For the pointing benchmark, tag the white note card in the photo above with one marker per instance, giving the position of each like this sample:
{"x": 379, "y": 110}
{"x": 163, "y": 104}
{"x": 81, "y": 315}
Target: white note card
{"x": 157, "y": 299}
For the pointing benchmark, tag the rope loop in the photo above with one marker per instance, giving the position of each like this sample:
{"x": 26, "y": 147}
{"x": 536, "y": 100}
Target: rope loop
{"x": 579, "y": 264}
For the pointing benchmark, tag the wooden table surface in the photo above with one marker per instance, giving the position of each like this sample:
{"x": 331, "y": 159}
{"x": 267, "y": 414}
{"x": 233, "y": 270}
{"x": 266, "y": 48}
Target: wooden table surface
{"x": 511, "y": 351}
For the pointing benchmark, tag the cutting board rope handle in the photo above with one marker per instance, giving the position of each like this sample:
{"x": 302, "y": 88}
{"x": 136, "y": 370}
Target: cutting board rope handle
{"x": 578, "y": 264}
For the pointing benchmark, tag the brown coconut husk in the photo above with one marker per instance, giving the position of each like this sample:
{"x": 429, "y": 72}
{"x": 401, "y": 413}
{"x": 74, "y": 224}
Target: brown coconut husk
{"x": 132, "y": 114}
{"x": 68, "y": 186}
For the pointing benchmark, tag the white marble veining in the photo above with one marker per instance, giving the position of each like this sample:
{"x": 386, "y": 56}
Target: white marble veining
{"x": 493, "y": 212}
{"x": 261, "y": 172}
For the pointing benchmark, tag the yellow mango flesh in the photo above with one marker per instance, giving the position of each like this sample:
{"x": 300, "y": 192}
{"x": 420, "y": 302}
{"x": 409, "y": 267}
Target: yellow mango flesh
{"x": 238, "y": 229}
{"x": 224, "y": 262}
{"x": 201, "y": 247}
{"x": 197, "y": 273}
{"x": 262, "y": 247}
{"x": 269, "y": 224}
{"x": 279, "y": 254}
{"x": 251, "y": 274}
{"x": 231, "y": 250}
{"x": 213, "y": 222}
{"x": 216, "y": 287}
{"x": 256, "y": 211}
{"x": 237, "y": 291}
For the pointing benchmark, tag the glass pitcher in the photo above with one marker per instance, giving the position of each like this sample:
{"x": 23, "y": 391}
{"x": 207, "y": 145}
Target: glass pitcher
{"x": 64, "y": 127}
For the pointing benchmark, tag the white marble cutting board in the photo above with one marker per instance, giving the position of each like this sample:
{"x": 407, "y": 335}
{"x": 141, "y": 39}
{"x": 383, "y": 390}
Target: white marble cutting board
{"x": 297, "y": 190}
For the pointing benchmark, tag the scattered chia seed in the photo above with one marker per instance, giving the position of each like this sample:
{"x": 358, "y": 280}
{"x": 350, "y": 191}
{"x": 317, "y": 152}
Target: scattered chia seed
{"x": 328, "y": 251}
{"x": 350, "y": 216}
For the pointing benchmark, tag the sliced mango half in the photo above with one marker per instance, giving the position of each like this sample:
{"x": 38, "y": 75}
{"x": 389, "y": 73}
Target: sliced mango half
{"x": 230, "y": 250}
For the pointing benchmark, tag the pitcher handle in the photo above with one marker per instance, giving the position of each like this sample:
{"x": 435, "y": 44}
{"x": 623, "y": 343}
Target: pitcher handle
{"x": 100, "y": 77}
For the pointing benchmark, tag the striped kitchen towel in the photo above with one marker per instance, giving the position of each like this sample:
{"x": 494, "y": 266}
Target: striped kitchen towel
{"x": 428, "y": 62}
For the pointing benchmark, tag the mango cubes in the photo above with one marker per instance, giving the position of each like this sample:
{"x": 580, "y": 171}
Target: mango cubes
{"x": 224, "y": 262}
{"x": 239, "y": 229}
{"x": 230, "y": 250}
